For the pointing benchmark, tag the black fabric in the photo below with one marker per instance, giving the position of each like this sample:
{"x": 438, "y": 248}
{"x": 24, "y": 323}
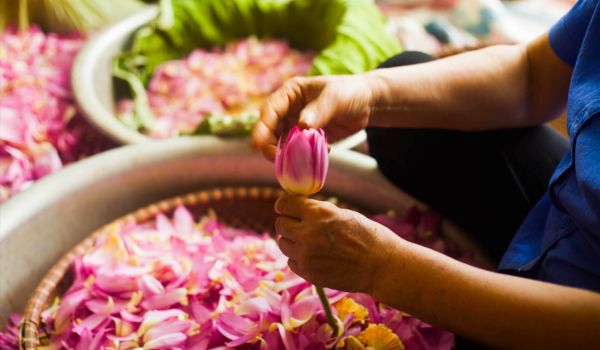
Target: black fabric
{"x": 406, "y": 58}
{"x": 486, "y": 182}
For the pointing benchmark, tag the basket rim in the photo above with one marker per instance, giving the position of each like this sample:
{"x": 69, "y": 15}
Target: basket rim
{"x": 28, "y": 329}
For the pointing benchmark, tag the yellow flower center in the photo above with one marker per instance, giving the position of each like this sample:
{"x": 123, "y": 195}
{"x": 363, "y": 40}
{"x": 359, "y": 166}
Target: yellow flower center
{"x": 347, "y": 306}
{"x": 379, "y": 337}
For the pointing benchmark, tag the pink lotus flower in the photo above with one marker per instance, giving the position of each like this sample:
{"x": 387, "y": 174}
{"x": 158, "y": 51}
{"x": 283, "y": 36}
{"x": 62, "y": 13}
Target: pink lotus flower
{"x": 301, "y": 161}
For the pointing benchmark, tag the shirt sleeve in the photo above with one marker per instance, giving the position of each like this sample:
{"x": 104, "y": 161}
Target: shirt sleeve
{"x": 567, "y": 34}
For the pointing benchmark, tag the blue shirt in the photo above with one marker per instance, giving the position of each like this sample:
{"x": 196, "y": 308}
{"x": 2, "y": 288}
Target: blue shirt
{"x": 559, "y": 241}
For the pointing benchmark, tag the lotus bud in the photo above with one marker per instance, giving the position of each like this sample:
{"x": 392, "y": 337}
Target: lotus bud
{"x": 301, "y": 162}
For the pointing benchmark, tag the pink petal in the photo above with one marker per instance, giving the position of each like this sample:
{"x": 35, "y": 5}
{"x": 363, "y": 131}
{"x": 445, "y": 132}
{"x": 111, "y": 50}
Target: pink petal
{"x": 164, "y": 225}
{"x": 299, "y": 312}
{"x": 115, "y": 283}
{"x": 286, "y": 337}
{"x": 200, "y": 313}
{"x": 183, "y": 221}
{"x": 166, "y": 300}
{"x": 14, "y": 128}
{"x": 9, "y": 339}
{"x": 128, "y": 316}
{"x": 235, "y": 327}
{"x": 101, "y": 306}
{"x": 85, "y": 340}
{"x": 68, "y": 305}
{"x": 168, "y": 341}
{"x": 253, "y": 307}
{"x": 89, "y": 323}
{"x": 46, "y": 161}
{"x": 150, "y": 286}
{"x": 301, "y": 161}
{"x": 165, "y": 328}
{"x": 152, "y": 318}
{"x": 99, "y": 338}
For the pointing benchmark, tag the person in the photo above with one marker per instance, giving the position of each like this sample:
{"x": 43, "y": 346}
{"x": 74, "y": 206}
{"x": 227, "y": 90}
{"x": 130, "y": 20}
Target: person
{"x": 465, "y": 134}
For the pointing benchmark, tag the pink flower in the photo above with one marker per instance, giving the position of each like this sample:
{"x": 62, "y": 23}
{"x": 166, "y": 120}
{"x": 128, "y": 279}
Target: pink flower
{"x": 301, "y": 162}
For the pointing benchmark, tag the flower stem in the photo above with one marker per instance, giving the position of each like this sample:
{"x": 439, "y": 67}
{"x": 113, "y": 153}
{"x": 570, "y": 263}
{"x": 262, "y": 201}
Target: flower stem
{"x": 327, "y": 309}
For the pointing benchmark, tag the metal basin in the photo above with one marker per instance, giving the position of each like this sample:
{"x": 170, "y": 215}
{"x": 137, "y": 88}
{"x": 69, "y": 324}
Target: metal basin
{"x": 93, "y": 87}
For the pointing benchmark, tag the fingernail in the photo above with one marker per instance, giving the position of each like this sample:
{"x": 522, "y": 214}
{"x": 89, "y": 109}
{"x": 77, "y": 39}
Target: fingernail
{"x": 308, "y": 118}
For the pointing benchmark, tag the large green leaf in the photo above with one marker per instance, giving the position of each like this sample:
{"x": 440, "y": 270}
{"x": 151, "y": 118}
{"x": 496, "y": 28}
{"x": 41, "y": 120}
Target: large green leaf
{"x": 349, "y": 35}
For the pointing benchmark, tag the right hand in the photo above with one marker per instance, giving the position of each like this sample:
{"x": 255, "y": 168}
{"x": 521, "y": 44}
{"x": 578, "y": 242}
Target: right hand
{"x": 334, "y": 247}
{"x": 340, "y": 104}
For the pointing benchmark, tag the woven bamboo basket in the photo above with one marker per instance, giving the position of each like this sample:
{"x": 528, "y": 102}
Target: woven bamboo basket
{"x": 241, "y": 207}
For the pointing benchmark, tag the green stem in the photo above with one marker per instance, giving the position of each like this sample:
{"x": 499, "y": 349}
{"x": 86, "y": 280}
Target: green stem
{"x": 327, "y": 309}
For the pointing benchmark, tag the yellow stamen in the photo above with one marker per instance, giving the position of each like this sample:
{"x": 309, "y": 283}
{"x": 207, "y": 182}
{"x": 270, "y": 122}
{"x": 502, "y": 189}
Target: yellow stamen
{"x": 194, "y": 329}
{"x": 134, "y": 260}
{"x": 352, "y": 343}
{"x": 279, "y": 276}
{"x": 379, "y": 337}
{"x": 136, "y": 298}
{"x": 347, "y": 306}
{"x": 186, "y": 264}
{"x": 88, "y": 282}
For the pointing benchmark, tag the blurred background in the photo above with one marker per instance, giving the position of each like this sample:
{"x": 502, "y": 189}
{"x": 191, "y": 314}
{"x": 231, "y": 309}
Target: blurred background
{"x": 52, "y": 113}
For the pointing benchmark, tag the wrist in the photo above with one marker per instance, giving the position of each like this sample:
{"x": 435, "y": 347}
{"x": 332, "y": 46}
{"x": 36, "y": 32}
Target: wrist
{"x": 387, "y": 267}
{"x": 377, "y": 87}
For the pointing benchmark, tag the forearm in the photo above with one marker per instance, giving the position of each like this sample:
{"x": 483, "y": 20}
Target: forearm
{"x": 478, "y": 90}
{"x": 498, "y": 310}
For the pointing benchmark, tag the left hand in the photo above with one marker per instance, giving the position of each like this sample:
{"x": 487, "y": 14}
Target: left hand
{"x": 332, "y": 247}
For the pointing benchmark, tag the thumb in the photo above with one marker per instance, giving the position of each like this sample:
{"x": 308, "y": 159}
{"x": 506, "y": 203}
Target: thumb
{"x": 316, "y": 114}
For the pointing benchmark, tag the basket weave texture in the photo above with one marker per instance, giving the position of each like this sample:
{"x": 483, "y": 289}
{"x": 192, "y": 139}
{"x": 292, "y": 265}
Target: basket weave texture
{"x": 242, "y": 207}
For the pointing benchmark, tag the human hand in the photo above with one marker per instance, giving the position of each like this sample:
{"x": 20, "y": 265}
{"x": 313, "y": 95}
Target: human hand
{"x": 340, "y": 105}
{"x": 332, "y": 247}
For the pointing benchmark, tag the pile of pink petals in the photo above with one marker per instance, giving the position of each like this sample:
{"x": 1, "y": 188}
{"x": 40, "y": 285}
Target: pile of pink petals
{"x": 9, "y": 339}
{"x": 227, "y": 81}
{"x": 40, "y": 131}
{"x": 180, "y": 284}
{"x": 424, "y": 228}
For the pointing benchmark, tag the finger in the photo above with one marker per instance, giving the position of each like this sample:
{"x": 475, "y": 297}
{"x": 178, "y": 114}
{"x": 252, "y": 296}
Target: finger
{"x": 287, "y": 247}
{"x": 269, "y": 152}
{"x": 318, "y": 113}
{"x": 262, "y": 135}
{"x": 301, "y": 271}
{"x": 292, "y": 206}
{"x": 293, "y": 264}
{"x": 288, "y": 227}
{"x": 275, "y": 109}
